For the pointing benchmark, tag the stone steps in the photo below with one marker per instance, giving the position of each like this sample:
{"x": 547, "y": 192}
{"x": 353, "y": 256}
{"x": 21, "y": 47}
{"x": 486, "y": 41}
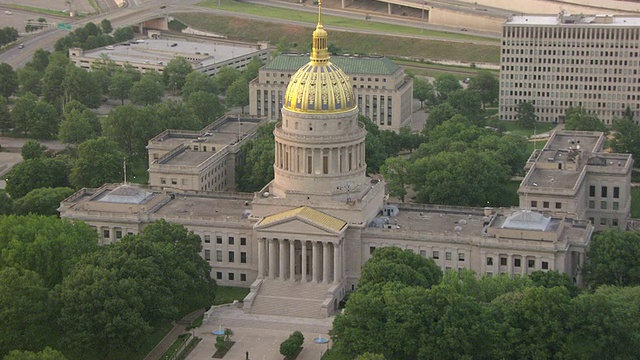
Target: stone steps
{"x": 295, "y": 299}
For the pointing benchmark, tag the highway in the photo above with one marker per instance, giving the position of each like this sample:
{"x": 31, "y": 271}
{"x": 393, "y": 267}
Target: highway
{"x": 140, "y": 10}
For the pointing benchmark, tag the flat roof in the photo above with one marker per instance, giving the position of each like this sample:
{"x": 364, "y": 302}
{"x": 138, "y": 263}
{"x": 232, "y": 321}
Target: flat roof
{"x": 586, "y": 141}
{"x": 161, "y": 51}
{"x": 579, "y": 20}
{"x": 437, "y": 222}
{"x": 206, "y": 206}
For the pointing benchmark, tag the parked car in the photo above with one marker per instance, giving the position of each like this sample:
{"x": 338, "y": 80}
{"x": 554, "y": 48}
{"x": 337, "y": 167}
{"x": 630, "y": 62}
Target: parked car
{"x": 21, "y": 46}
{"x": 8, "y": 12}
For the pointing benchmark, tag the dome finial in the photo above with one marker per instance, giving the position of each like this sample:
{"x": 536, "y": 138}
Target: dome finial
{"x": 320, "y": 50}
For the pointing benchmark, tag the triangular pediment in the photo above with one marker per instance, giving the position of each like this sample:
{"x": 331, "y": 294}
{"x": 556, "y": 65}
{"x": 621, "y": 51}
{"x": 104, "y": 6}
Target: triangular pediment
{"x": 302, "y": 220}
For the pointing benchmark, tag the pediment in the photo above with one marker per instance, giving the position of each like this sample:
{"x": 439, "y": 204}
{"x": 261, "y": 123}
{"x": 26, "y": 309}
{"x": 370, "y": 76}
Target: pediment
{"x": 295, "y": 226}
{"x": 302, "y": 220}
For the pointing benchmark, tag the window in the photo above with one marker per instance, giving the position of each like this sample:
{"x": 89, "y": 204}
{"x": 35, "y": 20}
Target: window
{"x": 243, "y": 241}
{"x": 592, "y": 190}
{"x": 105, "y": 233}
{"x": 207, "y": 254}
{"x": 603, "y": 221}
{"x": 603, "y": 191}
{"x": 371, "y": 250}
{"x": 219, "y": 275}
{"x": 489, "y": 261}
{"x": 614, "y": 222}
{"x": 231, "y": 240}
{"x": 447, "y": 255}
{"x": 516, "y": 262}
{"x": 545, "y": 265}
{"x": 531, "y": 263}
{"x": 616, "y": 192}
{"x": 592, "y": 204}
{"x": 118, "y": 234}
{"x": 174, "y": 181}
{"x": 243, "y": 277}
{"x": 503, "y": 261}
{"x": 616, "y": 205}
{"x": 592, "y": 220}
{"x": 436, "y": 255}
{"x": 219, "y": 255}
{"x": 232, "y": 256}
{"x": 207, "y": 239}
{"x": 232, "y": 276}
{"x": 423, "y": 253}
{"x": 243, "y": 257}
{"x": 545, "y": 204}
{"x": 558, "y": 205}
{"x": 534, "y": 203}
{"x": 603, "y": 205}
{"x": 218, "y": 239}
{"x": 163, "y": 180}
{"x": 460, "y": 256}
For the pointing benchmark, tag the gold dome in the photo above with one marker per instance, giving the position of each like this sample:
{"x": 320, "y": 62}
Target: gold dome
{"x": 319, "y": 86}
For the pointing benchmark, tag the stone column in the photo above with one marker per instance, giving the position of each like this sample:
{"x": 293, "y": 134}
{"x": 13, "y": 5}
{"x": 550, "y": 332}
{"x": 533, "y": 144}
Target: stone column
{"x": 303, "y": 277}
{"x": 261, "y": 258}
{"x": 272, "y": 258}
{"x": 337, "y": 262}
{"x": 325, "y": 262}
{"x": 315, "y": 274}
{"x": 282, "y": 260}
{"x": 292, "y": 260}
{"x": 510, "y": 265}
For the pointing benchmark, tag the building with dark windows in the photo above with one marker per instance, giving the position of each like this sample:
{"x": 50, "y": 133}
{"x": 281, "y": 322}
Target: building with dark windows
{"x": 556, "y": 62}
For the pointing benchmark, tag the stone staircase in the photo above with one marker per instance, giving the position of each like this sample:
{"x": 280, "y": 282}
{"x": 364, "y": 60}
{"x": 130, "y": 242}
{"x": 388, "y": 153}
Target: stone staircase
{"x": 294, "y": 299}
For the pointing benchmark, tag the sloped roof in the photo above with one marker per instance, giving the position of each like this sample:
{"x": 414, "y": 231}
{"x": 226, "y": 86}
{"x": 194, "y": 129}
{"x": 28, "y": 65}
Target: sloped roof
{"x": 126, "y": 194}
{"x": 349, "y": 64}
{"x": 309, "y": 214}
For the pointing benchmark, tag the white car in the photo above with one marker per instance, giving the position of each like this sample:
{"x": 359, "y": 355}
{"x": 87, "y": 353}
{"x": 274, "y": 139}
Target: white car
{"x": 8, "y": 12}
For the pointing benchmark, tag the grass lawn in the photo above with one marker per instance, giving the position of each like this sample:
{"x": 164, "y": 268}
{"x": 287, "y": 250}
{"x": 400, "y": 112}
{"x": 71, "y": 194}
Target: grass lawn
{"x": 312, "y": 18}
{"x": 298, "y": 39}
{"x": 511, "y": 198}
{"x": 514, "y": 127}
{"x": 635, "y": 202}
{"x": 39, "y": 10}
{"x": 226, "y": 294}
{"x": 137, "y": 173}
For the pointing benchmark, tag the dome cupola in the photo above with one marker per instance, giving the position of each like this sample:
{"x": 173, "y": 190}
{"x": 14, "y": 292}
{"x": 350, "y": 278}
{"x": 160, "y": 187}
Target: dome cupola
{"x": 319, "y": 86}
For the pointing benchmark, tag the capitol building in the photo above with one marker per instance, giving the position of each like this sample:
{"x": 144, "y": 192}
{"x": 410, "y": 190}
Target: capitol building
{"x": 300, "y": 242}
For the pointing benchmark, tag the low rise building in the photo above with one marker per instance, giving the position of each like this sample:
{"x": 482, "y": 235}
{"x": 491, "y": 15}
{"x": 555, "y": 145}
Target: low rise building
{"x": 574, "y": 176}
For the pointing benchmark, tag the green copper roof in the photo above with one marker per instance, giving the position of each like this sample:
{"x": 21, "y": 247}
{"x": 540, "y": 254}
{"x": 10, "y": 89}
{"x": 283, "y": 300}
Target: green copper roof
{"x": 349, "y": 64}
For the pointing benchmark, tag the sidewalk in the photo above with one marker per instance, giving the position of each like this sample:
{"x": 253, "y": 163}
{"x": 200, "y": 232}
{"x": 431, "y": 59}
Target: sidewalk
{"x": 172, "y": 336}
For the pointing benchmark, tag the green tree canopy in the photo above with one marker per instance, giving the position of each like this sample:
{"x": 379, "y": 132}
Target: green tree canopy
{"x": 205, "y": 106}
{"x": 99, "y": 161}
{"x": 30, "y": 80}
{"x": 32, "y": 150}
{"x": 148, "y": 90}
{"x": 198, "y": 81}
{"x": 392, "y": 264}
{"x": 80, "y": 85}
{"x": 225, "y": 77}
{"x": 79, "y": 124}
{"x": 468, "y": 104}
{"x": 238, "y": 94}
{"x": 526, "y": 115}
{"x": 46, "y": 354}
{"x": 8, "y": 80}
{"x": 445, "y": 84}
{"x": 396, "y": 171}
{"x": 255, "y": 166}
{"x": 41, "y": 201}
{"x": 626, "y": 137}
{"x": 36, "y": 173}
{"x": 486, "y": 85}
{"x": 424, "y": 91}
{"x": 577, "y": 118}
{"x": 176, "y": 72}
{"x": 612, "y": 259}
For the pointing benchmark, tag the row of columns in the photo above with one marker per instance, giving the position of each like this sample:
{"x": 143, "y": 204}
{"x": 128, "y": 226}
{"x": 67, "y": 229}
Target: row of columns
{"x": 338, "y": 159}
{"x": 289, "y": 260}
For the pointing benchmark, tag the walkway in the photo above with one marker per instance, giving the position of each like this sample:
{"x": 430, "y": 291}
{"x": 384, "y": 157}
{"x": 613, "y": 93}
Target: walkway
{"x": 179, "y": 328}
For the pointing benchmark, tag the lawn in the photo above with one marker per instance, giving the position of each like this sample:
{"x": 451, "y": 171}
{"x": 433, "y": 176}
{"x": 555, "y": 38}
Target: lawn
{"x": 511, "y": 197}
{"x": 635, "y": 202}
{"x": 328, "y": 20}
{"x": 297, "y": 38}
{"x": 514, "y": 127}
{"x": 226, "y": 294}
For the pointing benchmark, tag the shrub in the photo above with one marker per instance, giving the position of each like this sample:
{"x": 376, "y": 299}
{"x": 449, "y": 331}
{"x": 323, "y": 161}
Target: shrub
{"x": 292, "y": 345}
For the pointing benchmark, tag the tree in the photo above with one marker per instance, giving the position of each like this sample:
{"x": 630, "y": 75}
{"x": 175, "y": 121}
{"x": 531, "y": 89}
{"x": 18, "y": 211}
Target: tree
{"x": 238, "y": 94}
{"x": 437, "y": 115}
{"x": 424, "y": 91}
{"x": 99, "y": 161}
{"x": 24, "y": 313}
{"x": 225, "y": 77}
{"x": 6, "y": 123}
{"x": 445, "y": 84}
{"x": 612, "y": 259}
{"x": 468, "y": 104}
{"x": 254, "y": 169}
{"x": 39, "y": 61}
{"x": 54, "y": 77}
{"x": 36, "y": 173}
{"x": 44, "y": 121}
{"x": 175, "y": 73}
{"x": 29, "y": 80}
{"x": 41, "y": 201}
{"x": 370, "y": 356}
{"x": 526, "y": 115}
{"x": 121, "y": 85}
{"x": 487, "y": 86}
{"x": 626, "y": 137}
{"x": 131, "y": 128}
{"x": 396, "y": 172}
{"x": 46, "y": 354}
{"x": 577, "y": 118}
{"x": 205, "y": 106}
{"x": 79, "y": 125}
{"x": 148, "y": 90}
{"x": 252, "y": 69}
{"x": 80, "y": 85}
{"x": 554, "y": 278}
{"x": 292, "y": 345}
{"x": 123, "y": 34}
{"x": 6, "y": 203}
{"x": 198, "y": 81}
{"x": 21, "y": 115}
{"x": 176, "y": 115}
{"x": 105, "y": 25}
{"x": 32, "y": 150}
{"x": 8, "y": 80}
